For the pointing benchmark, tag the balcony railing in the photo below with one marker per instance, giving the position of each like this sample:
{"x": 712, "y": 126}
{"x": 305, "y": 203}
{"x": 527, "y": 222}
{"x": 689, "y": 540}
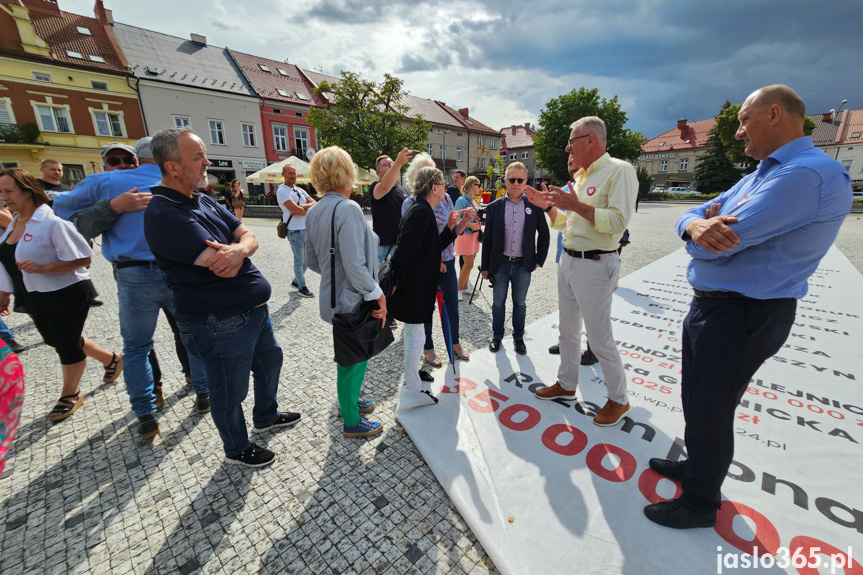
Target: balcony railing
{"x": 19, "y": 133}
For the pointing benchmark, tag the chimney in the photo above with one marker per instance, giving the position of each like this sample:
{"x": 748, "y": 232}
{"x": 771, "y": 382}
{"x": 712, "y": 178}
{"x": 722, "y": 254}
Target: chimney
{"x": 514, "y": 128}
{"x": 198, "y": 39}
{"x": 463, "y": 112}
{"x": 681, "y": 125}
{"x": 827, "y": 117}
{"x": 527, "y": 127}
{"x": 109, "y": 16}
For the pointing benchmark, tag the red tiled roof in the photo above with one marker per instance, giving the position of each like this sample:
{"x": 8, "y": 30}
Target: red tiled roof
{"x": 430, "y": 111}
{"x": 825, "y": 132}
{"x": 470, "y": 123}
{"x": 268, "y": 84}
{"x": 62, "y": 35}
{"x": 517, "y": 137}
{"x": 853, "y": 124}
{"x": 694, "y": 136}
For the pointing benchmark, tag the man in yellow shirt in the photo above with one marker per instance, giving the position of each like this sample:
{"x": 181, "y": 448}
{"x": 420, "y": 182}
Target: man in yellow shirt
{"x": 598, "y": 205}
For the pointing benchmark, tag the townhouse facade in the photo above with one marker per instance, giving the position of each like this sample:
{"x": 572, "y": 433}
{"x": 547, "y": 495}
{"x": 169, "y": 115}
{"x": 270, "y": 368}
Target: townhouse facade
{"x": 671, "y": 157}
{"x": 65, "y": 89}
{"x": 518, "y": 145}
{"x": 190, "y": 83}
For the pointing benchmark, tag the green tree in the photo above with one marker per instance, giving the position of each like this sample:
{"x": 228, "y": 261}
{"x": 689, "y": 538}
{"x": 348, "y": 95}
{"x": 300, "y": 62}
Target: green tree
{"x": 551, "y": 138}
{"x": 367, "y": 119}
{"x": 715, "y": 173}
{"x": 726, "y": 128}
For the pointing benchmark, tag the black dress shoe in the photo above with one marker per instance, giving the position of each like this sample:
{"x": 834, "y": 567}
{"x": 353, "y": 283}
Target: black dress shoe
{"x": 494, "y": 346}
{"x": 520, "y": 348}
{"x": 587, "y": 358}
{"x": 554, "y": 350}
{"x": 679, "y": 515}
{"x": 96, "y": 303}
{"x": 426, "y": 376}
{"x": 667, "y": 468}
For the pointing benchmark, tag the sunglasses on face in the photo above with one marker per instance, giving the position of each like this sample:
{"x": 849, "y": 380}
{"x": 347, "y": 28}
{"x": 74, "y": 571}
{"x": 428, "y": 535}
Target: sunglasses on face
{"x": 114, "y": 161}
{"x": 571, "y": 140}
{"x": 515, "y": 180}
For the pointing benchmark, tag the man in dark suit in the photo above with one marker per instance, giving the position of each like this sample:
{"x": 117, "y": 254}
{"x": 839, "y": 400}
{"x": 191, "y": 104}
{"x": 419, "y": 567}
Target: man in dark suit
{"x": 515, "y": 244}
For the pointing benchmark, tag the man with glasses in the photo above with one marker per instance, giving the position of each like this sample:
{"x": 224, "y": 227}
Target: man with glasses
{"x": 598, "y": 204}
{"x": 112, "y": 204}
{"x": 514, "y": 245}
{"x": 386, "y": 199}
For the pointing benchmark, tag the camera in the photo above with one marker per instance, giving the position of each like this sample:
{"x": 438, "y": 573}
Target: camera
{"x": 480, "y": 214}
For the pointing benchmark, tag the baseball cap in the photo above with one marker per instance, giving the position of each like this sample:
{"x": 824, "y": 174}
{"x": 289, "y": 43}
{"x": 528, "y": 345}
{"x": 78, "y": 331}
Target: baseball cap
{"x": 117, "y": 146}
{"x": 143, "y": 150}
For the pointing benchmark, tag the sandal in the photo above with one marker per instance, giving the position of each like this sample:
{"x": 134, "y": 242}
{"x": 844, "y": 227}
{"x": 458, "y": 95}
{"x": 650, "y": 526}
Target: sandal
{"x": 113, "y": 369}
{"x": 431, "y": 358}
{"x": 456, "y": 351}
{"x": 66, "y": 406}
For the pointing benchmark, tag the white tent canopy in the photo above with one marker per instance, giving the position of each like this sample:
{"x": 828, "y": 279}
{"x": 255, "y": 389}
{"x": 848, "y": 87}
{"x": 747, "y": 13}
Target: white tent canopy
{"x": 272, "y": 174}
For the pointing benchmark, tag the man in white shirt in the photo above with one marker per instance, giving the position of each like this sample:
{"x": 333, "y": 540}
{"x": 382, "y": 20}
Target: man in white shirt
{"x": 295, "y": 202}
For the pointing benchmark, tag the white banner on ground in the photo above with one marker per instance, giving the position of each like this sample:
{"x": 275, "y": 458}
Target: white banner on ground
{"x": 547, "y": 492}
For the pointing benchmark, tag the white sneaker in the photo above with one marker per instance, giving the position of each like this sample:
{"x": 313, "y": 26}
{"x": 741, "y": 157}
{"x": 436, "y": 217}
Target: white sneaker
{"x": 461, "y": 296}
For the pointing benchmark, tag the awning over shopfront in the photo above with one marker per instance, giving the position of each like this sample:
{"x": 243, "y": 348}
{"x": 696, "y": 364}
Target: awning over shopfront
{"x": 272, "y": 174}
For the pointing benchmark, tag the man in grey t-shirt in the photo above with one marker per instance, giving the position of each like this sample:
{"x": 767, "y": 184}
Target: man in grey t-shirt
{"x": 295, "y": 202}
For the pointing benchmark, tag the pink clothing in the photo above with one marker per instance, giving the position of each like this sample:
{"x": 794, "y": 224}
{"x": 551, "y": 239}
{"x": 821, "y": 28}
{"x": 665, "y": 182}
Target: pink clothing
{"x": 11, "y": 399}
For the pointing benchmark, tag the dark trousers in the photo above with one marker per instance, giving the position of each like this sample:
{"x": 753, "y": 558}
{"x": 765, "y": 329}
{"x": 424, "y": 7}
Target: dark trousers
{"x": 725, "y": 341}
{"x": 182, "y": 354}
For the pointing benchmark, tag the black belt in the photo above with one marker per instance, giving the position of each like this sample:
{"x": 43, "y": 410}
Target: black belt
{"x": 134, "y": 264}
{"x": 718, "y": 294}
{"x": 512, "y": 259}
{"x": 591, "y": 255}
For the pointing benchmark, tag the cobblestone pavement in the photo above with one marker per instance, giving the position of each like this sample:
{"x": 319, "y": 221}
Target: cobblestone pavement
{"x": 88, "y": 496}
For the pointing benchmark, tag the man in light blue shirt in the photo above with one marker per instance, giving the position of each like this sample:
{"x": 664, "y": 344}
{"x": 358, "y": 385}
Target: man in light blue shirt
{"x": 753, "y": 249}
{"x": 141, "y": 287}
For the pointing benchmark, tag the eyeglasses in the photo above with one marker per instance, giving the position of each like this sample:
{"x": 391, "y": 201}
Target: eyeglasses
{"x": 114, "y": 161}
{"x": 578, "y": 138}
{"x": 515, "y": 180}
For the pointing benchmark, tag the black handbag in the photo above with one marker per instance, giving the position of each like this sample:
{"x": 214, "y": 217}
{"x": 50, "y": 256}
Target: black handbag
{"x": 357, "y": 336}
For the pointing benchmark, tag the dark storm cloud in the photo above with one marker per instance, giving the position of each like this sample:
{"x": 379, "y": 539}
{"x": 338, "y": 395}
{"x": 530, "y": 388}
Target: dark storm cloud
{"x": 689, "y": 56}
{"x": 351, "y": 11}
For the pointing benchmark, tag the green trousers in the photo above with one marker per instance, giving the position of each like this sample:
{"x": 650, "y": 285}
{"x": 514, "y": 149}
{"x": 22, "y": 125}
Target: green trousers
{"x": 349, "y": 383}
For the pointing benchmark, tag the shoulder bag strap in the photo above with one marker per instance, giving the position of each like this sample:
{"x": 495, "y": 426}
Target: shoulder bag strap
{"x": 333, "y": 261}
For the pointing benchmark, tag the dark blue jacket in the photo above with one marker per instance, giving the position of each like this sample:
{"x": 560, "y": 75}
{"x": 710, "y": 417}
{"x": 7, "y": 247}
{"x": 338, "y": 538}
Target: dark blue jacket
{"x": 533, "y": 250}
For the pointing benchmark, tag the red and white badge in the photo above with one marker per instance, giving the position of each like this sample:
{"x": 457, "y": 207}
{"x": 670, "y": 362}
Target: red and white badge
{"x": 27, "y": 237}
{"x": 527, "y": 211}
{"x": 591, "y": 190}
{"x": 746, "y": 197}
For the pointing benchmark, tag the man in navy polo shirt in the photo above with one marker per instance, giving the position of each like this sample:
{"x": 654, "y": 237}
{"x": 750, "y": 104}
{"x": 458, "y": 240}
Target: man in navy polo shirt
{"x": 219, "y": 295}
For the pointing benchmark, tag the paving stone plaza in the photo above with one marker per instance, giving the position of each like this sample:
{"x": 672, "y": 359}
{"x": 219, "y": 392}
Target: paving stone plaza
{"x": 87, "y": 495}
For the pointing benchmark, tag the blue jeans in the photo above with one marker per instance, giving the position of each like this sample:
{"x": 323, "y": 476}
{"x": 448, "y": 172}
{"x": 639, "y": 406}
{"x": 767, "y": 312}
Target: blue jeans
{"x": 382, "y": 253}
{"x": 5, "y": 334}
{"x": 231, "y": 348}
{"x": 448, "y": 283}
{"x": 297, "y": 238}
{"x": 510, "y": 272}
{"x": 143, "y": 292}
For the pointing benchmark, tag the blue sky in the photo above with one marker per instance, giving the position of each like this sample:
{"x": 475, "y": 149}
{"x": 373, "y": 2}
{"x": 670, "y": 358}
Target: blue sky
{"x": 664, "y": 59}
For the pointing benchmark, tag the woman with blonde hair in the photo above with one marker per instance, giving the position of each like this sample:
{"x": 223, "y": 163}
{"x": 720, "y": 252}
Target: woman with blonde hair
{"x": 47, "y": 272}
{"x": 355, "y": 259}
{"x": 467, "y": 244}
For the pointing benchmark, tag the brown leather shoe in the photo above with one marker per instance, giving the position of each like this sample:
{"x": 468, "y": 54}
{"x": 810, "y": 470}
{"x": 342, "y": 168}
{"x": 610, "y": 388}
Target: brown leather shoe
{"x": 611, "y": 414}
{"x": 160, "y": 398}
{"x": 554, "y": 392}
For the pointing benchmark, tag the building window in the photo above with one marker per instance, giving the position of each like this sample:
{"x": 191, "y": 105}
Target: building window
{"x": 301, "y": 96}
{"x": 181, "y": 122}
{"x": 74, "y": 54}
{"x": 217, "y": 132}
{"x": 301, "y": 139}
{"x": 684, "y": 163}
{"x": 6, "y": 114}
{"x": 663, "y": 166}
{"x": 53, "y": 119}
{"x": 512, "y": 156}
{"x": 109, "y": 124}
{"x": 8, "y": 165}
{"x": 84, "y": 31}
{"x": 249, "y": 138}
{"x": 479, "y": 163}
{"x": 492, "y": 144}
{"x": 72, "y": 174}
{"x": 480, "y": 141}
{"x": 99, "y": 59}
{"x": 458, "y": 154}
{"x": 280, "y": 138}
{"x": 442, "y": 152}
{"x": 431, "y": 149}
{"x": 282, "y": 92}
{"x": 282, "y": 72}
{"x": 846, "y": 164}
{"x": 524, "y": 155}
{"x": 42, "y": 77}
{"x": 264, "y": 68}
{"x": 99, "y": 85}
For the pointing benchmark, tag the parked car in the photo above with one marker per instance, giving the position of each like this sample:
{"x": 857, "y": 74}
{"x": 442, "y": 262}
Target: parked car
{"x": 857, "y": 194}
{"x": 680, "y": 191}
